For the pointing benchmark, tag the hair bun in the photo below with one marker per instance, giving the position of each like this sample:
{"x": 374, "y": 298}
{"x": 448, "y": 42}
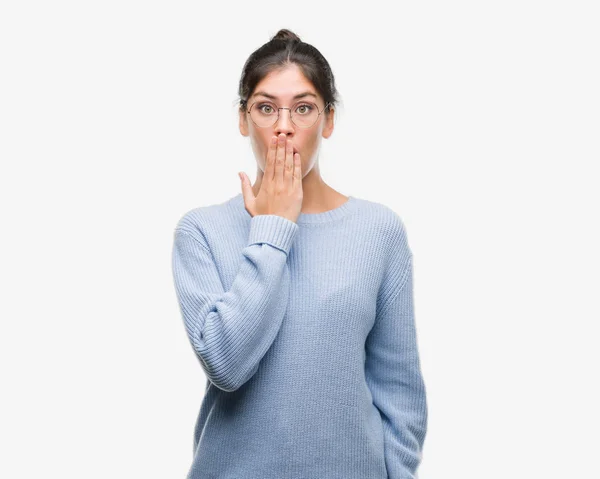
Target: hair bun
{"x": 286, "y": 35}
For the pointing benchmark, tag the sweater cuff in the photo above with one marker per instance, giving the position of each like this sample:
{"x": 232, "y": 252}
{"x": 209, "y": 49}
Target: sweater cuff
{"x": 274, "y": 230}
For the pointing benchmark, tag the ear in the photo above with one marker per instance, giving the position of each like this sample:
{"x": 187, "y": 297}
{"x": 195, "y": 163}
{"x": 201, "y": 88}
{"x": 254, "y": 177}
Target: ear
{"x": 243, "y": 123}
{"x": 329, "y": 121}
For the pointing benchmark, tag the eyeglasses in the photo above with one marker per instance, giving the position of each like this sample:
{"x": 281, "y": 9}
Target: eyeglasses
{"x": 265, "y": 114}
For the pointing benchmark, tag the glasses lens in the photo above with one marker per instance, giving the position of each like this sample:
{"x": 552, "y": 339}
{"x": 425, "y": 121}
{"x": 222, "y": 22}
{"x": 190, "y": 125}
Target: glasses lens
{"x": 304, "y": 114}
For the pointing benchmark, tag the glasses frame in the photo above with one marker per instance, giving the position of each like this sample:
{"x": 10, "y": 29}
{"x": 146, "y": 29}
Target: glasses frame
{"x": 291, "y": 116}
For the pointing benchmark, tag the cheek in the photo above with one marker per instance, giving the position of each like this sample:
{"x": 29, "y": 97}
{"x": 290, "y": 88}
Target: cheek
{"x": 258, "y": 147}
{"x": 311, "y": 142}
{"x": 262, "y": 145}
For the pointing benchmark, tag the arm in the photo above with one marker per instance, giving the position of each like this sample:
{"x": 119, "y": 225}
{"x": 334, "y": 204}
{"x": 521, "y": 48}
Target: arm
{"x": 231, "y": 331}
{"x": 393, "y": 369}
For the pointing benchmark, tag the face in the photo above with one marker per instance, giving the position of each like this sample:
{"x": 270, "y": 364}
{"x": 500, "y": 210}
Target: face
{"x": 284, "y": 85}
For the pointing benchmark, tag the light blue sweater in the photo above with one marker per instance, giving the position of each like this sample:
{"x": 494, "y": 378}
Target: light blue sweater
{"x": 306, "y": 333}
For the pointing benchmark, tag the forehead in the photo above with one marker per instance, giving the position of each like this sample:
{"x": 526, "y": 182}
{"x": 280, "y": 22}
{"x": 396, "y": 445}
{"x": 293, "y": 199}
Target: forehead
{"x": 287, "y": 84}
{"x": 306, "y": 96}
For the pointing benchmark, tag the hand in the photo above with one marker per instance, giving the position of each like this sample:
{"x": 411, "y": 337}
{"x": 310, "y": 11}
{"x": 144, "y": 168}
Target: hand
{"x": 281, "y": 187}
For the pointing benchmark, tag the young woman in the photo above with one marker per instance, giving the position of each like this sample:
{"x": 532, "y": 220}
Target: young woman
{"x": 298, "y": 301}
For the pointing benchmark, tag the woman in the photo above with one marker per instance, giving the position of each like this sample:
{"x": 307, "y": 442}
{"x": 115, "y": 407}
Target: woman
{"x": 298, "y": 301}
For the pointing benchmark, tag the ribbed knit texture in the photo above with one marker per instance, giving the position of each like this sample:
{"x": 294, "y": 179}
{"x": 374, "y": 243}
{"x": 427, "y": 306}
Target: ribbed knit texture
{"x": 306, "y": 334}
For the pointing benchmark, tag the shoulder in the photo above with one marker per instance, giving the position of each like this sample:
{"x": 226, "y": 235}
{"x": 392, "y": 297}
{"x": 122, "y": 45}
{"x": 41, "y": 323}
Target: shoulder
{"x": 395, "y": 250}
{"x": 196, "y": 221}
{"x": 385, "y": 222}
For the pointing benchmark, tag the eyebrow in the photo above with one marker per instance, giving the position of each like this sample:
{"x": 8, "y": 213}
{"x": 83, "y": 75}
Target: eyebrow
{"x": 273, "y": 97}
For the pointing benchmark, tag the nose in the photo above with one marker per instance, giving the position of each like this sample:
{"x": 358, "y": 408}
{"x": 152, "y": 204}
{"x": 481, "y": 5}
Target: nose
{"x": 284, "y": 123}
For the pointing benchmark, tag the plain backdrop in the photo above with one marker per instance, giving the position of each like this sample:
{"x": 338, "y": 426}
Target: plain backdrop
{"x": 477, "y": 122}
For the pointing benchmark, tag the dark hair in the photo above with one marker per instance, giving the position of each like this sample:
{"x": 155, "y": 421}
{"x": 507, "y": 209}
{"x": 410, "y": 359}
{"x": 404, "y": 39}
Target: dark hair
{"x": 285, "y": 49}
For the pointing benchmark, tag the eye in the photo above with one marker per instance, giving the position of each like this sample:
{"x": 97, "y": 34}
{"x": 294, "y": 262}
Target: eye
{"x": 308, "y": 108}
{"x": 266, "y": 105}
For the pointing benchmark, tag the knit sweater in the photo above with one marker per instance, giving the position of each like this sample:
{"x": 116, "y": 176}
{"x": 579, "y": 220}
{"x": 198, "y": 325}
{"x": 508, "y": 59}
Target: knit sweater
{"x": 306, "y": 334}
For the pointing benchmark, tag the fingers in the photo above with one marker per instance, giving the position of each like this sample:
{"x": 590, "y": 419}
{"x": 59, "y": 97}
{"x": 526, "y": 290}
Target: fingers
{"x": 288, "y": 175}
{"x": 269, "y": 173}
{"x": 280, "y": 159}
{"x": 247, "y": 192}
{"x": 297, "y": 180}
{"x": 281, "y": 165}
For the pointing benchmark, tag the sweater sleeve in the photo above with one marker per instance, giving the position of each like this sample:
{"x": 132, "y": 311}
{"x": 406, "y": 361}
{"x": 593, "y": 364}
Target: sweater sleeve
{"x": 393, "y": 370}
{"x": 231, "y": 331}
